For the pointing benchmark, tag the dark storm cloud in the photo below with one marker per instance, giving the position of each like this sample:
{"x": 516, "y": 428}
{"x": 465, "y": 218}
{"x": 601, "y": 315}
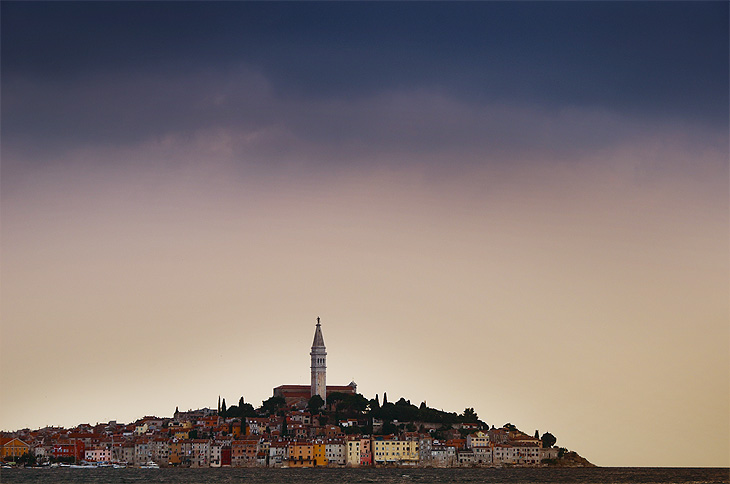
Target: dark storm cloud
{"x": 83, "y": 72}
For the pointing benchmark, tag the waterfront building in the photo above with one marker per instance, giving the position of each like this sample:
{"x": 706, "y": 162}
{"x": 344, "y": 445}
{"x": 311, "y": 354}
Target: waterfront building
{"x": 278, "y": 453}
{"x": 352, "y": 456}
{"x": 98, "y": 453}
{"x": 142, "y": 452}
{"x": 425, "y": 441}
{"x": 319, "y": 453}
{"x": 244, "y": 451}
{"x": 180, "y": 452}
{"x": 443, "y": 455}
{"x": 527, "y": 452}
{"x": 366, "y": 455}
{"x": 300, "y": 454}
{"x": 336, "y": 452}
{"x": 216, "y": 450}
{"x": 482, "y": 455}
{"x": 200, "y": 455}
{"x": 465, "y": 457}
{"x": 505, "y": 454}
{"x": 389, "y": 449}
{"x": 126, "y": 453}
{"x": 13, "y": 447}
{"x": 160, "y": 450}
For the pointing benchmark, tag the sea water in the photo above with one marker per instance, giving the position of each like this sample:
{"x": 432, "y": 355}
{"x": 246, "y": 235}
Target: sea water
{"x": 600, "y": 475}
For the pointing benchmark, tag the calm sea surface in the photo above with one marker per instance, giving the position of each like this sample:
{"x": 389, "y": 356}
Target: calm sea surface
{"x": 379, "y": 476}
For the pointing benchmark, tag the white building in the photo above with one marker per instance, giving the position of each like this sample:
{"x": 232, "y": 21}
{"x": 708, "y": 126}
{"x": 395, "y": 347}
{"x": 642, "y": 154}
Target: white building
{"x": 336, "y": 452}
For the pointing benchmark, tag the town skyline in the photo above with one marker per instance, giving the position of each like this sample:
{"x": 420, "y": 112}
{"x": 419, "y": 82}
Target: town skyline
{"x": 519, "y": 205}
{"x": 315, "y": 425}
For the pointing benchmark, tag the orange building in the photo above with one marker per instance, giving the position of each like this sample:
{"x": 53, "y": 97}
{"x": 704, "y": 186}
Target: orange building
{"x": 300, "y": 454}
{"x": 13, "y": 447}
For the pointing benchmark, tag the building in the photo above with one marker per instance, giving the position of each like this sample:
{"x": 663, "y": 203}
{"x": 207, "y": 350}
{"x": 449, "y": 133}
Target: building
{"x": 319, "y": 364}
{"x": 388, "y": 449}
{"x": 294, "y": 394}
{"x": 336, "y": 452}
{"x": 98, "y": 453}
{"x": 300, "y": 454}
{"x": 477, "y": 439}
{"x": 352, "y": 457}
{"x": 13, "y": 447}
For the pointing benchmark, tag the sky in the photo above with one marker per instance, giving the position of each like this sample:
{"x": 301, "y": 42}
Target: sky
{"x": 520, "y": 207}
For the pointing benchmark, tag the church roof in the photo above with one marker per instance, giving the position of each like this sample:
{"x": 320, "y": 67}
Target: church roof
{"x": 318, "y": 338}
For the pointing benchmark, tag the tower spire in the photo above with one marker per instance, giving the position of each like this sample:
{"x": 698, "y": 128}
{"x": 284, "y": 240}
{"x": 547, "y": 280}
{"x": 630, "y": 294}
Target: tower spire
{"x": 319, "y": 364}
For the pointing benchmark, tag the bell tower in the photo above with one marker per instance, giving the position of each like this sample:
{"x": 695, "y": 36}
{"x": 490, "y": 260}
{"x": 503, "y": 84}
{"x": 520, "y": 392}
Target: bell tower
{"x": 319, "y": 364}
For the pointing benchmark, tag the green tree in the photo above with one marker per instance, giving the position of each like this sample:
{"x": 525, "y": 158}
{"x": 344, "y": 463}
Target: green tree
{"x": 389, "y": 428}
{"x": 315, "y": 403}
{"x": 272, "y": 405}
{"x": 27, "y": 459}
{"x": 469, "y": 415}
{"x": 548, "y": 440}
{"x": 246, "y": 411}
{"x": 335, "y": 397}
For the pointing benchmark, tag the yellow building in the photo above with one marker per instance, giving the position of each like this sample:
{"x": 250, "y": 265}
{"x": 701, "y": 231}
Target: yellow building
{"x": 390, "y": 450}
{"x": 353, "y": 452}
{"x": 319, "y": 453}
{"x": 13, "y": 447}
{"x": 477, "y": 439}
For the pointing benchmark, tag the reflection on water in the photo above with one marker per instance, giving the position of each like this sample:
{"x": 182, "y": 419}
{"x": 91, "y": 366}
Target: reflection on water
{"x": 380, "y": 476}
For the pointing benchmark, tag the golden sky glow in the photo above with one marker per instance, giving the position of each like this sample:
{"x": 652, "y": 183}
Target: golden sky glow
{"x": 497, "y": 205}
{"x": 587, "y": 302}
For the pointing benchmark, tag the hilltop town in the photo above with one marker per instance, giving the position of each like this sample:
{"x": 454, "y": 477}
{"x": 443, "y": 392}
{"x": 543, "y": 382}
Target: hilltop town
{"x": 298, "y": 426}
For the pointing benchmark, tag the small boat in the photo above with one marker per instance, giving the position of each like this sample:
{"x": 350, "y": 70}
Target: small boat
{"x": 150, "y": 465}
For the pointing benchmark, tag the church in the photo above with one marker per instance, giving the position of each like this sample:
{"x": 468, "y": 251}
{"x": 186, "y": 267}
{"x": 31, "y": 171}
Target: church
{"x": 294, "y": 394}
